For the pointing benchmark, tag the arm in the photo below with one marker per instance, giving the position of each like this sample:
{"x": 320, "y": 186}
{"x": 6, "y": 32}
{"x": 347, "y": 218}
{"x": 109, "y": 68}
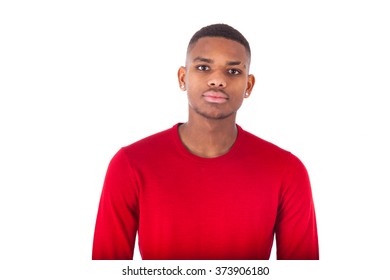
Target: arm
{"x": 117, "y": 218}
{"x": 296, "y": 229}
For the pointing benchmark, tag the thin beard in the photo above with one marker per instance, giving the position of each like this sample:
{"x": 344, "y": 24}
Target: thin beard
{"x": 218, "y": 117}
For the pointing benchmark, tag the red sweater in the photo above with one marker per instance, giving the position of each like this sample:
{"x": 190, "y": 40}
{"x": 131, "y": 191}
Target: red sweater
{"x": 187, "y": 207}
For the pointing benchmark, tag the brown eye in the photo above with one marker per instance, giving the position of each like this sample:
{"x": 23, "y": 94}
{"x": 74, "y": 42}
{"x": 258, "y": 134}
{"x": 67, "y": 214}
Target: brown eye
{"x": 234, "y": 71}
{"x": 203, "y": 68}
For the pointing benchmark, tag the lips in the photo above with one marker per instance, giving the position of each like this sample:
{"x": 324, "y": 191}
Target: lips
{"x": 215, "y": 97}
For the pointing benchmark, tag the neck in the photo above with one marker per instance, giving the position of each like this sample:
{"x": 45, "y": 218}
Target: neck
{"x": 208, "y": 137}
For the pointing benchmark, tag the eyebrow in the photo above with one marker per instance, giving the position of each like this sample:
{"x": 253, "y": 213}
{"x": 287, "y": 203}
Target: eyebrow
{"x": 203, "y": 59}
{"x": 208, "y": 60}
{"x": 232, "y": 63}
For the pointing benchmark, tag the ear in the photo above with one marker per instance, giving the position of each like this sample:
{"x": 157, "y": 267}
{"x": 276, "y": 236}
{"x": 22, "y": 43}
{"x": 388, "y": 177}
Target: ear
{"x": 249, "y": 85}
{"x": 181, "y": 76}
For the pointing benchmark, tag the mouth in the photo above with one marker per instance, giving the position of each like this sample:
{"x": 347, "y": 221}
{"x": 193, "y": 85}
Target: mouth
{"x": 218, "y": 97}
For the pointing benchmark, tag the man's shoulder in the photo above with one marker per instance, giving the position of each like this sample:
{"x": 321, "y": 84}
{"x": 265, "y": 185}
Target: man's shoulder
{"x": 151, "y": 143}
{"x": 256, "y": 143}
{"x": 269, "y": 152}
{"x": 260, "y": 150}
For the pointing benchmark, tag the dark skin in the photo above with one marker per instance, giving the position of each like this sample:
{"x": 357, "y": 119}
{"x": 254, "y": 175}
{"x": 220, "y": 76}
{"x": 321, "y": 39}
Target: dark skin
{"x": 217, "y": 80}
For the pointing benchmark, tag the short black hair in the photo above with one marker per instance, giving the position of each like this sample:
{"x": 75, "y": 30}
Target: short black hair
{"x": 220, "y": 30}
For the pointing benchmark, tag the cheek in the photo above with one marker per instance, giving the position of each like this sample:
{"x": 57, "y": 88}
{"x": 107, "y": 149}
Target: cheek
{"x": 192, "y": 100}
{"x": 240, "y": 90}
{"x": 194, "y": 89}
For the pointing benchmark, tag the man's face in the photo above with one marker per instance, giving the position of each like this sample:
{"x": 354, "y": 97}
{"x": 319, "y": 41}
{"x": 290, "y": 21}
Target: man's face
{"x": 216, "y": 77}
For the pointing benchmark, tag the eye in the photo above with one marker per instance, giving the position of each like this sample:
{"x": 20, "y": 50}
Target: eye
{"x": 202, "y": 67}
{"x": 234, "y": 71}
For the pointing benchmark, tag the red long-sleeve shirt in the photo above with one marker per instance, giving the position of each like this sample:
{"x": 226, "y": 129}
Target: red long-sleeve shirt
{"x": 187, "y": 207}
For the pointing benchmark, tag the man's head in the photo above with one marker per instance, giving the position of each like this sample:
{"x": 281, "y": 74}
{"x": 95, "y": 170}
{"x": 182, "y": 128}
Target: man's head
{"x": 220, "y": 30}
{"x": 216, "y": 75}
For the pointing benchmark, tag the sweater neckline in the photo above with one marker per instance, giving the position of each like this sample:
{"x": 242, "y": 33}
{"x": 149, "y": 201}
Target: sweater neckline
{"x": 184, "y": 151}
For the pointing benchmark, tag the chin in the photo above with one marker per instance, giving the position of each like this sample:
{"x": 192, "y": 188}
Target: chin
{"x": 215, "y": 115}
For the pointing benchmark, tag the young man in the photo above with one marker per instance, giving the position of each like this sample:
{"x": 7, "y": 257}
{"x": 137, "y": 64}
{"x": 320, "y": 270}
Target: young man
{"x": 207, "y": 189}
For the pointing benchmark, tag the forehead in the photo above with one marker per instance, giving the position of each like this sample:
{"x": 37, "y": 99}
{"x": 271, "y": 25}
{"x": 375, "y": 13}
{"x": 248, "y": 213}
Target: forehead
{"x": 218, "y": 47}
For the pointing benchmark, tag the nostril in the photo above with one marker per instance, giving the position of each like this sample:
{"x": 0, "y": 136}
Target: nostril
{"x": 217, "y": 84}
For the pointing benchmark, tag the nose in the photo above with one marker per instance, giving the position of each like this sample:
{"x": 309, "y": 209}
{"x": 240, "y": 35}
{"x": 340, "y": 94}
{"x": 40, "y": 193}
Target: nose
{"x": 217, "y": 81}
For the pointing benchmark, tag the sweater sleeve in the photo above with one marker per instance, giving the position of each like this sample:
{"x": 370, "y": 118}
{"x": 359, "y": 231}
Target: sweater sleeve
{"x": 296, "y": 229}
{"x": 117, "y": 218}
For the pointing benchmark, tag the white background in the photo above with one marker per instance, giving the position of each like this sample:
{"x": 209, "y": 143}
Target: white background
{"x": 80, "y": 79}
